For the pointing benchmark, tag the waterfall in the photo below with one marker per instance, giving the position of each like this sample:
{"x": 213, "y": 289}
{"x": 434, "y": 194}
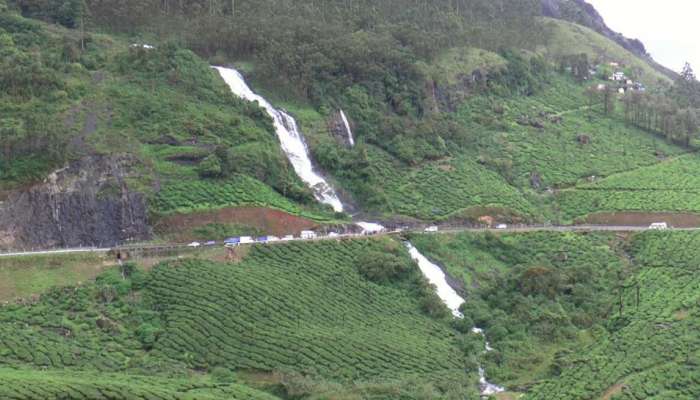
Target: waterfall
{"x": 351, "y": 140}
{"x": 453, "y": 301}
{"x": 290, "y": 138}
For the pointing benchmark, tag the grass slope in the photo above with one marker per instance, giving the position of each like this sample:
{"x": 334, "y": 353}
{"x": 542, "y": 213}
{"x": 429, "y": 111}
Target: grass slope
{"x": 22, "y": 277}
{"x": 566, "y": 38}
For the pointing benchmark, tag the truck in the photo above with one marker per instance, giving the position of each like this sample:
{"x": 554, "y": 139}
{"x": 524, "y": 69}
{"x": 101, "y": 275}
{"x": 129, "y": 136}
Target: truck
{"x": 658, "y": 226}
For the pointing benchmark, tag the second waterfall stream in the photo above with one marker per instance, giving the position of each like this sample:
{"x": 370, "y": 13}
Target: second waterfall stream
{"x": 453, "y": 301}
{"x": 290, "y": 138}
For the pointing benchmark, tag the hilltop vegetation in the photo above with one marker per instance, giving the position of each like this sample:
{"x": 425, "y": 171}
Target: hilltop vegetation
{"x": 456, "y": 107}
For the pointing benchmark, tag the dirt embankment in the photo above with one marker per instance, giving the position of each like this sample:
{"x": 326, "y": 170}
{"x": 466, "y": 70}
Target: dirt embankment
{"x": 676, "y": 220}
{"x": 273, "y": 222}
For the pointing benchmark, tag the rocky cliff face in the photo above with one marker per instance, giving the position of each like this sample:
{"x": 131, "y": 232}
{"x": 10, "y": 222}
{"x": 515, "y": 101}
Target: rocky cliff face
{"x": 87, "y": 203}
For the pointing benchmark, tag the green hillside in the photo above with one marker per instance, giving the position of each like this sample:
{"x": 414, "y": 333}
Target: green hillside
{"x": 582, "y": 316}
{"x": 311, "y": 317}
{"x": 164, "y": 107}
{"x": 651, "y": 350}
{"x": 669, "y": 186}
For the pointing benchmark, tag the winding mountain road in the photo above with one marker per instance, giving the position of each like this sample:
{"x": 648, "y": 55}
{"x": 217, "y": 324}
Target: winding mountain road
{"x": 443, "y": 230}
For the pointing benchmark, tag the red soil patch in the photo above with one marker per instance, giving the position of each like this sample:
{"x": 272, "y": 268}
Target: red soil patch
{"x": 676, "y": 220}
{"x": 273, "y": 222}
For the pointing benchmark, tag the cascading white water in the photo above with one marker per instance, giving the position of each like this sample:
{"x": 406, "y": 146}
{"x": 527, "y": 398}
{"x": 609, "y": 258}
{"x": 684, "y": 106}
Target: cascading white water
{"x": 453, "y": 301}
{"x": 370, "y": 227}
{"x": 290, "y": 138}
{"x": 348, "y": 130}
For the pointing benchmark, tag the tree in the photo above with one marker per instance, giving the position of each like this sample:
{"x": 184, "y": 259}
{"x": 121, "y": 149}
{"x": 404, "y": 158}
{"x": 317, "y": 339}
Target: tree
{"x": 688, "y": 74}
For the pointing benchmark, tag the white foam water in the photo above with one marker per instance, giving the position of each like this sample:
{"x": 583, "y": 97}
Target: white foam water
{"x": 290, "y": 138}
{"x": 453, "y": 301}
{"x": 348, "y": 130}
{"x": 370, "y": 227}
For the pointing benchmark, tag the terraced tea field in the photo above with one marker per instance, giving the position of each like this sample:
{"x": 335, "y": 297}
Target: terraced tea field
{"x": 572, "y": 142}
{"x": 439, "y": 190}
{"x": 240, "y": 190}
{"x": 32, "y": 385}
{"x": 671, "y": 186}
{"x": 299, "y": 306}
{"x": 294, "y": 309}
{"x": 652, "y": 350}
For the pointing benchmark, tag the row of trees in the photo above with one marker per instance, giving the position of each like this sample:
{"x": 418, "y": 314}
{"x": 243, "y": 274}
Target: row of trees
{"x": 675, "y": 114}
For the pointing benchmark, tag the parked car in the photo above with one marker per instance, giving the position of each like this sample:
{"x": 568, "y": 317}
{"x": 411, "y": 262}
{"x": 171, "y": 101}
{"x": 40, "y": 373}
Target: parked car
{"x": 194, "y": 244}
{"x": 273, "y": 239}
{"x": 502, "y": 226}
{"x": 247, "y": 240}
{"x": 333, "y": 234}
{"x": 432, "y": 229}
{"x": 288, "y": 238}
{"x": 658, "y": 226}
{"x": 210, "y": 243}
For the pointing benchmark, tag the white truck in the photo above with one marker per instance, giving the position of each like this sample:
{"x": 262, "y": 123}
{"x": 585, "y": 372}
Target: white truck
{"x": 658, "y": 226}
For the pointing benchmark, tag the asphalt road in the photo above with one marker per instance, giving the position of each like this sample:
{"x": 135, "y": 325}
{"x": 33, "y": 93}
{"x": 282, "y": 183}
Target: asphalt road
{"x": 515, "y": 229}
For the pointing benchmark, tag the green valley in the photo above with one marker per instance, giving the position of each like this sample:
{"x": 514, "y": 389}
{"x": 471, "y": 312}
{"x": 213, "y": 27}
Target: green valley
{"x": 344, "y": 200}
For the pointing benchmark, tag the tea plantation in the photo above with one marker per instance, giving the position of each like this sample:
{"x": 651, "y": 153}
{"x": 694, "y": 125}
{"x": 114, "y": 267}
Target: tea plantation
{"x": 239, "y": 190}
{"x": 439, "y": 190}
{"x": 32, "y": 385}
{"x": 299, "y": 306}
{"x": 669, "y": 186}
{"x": 534, "y": 294}
{"x": 314, "y": 315}
{"x": 649, "y": 348}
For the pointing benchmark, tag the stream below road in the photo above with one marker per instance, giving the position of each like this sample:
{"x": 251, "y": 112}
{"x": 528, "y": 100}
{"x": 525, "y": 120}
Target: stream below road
{"x": 453, "y": 301}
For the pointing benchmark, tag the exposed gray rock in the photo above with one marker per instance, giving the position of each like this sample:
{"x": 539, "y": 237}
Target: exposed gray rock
{"x": 87, "y": 203}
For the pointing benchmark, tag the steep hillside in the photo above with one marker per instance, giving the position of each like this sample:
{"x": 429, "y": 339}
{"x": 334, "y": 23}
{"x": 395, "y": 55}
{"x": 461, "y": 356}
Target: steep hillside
{"x": 480, "y": 122}
{"x": 121, "y": 134}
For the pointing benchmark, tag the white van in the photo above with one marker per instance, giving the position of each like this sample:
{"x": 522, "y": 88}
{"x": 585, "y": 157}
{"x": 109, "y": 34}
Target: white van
{"x": 658, "y": 226}
{"x": 432, "y": 229}
{"x": 247, "y": 240}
